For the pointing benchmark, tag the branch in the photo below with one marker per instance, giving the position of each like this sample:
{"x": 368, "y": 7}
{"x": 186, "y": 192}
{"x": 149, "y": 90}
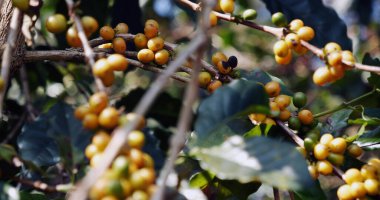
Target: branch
{"x": 279, "y": 33}
{"x": 83, "y": 38}
{"x": 38, "y": 185}
{"x": 14, "y": 29}
{"x": 120, "y": 135}
{"x": 276, "y": 194}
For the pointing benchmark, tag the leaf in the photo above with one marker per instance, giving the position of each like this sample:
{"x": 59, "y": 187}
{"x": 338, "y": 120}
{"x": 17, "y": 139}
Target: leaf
{"x": 258, "y": 130}
{"x": 374, "y": 79}
{"x": 370, "y": 139}
{"x": 224, "y": 113}
{"x": 256, "y": 159}
{"x": 311, "y": 193}
{"x": 7, "y": 152}
{"x": 57, "y": 131}
{"x": 326, "y": 23}
{"x": 201, "y": 179}
{"x": 336, "y": 122}
{"x": 232, "y": 189}
{"x": 370, "y": 116}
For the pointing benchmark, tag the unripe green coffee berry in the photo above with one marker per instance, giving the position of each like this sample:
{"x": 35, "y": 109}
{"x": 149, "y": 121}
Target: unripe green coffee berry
{"x": 299, "y": 99}
{"x": 249, "y": 14}
{"x": 279, "y": 19}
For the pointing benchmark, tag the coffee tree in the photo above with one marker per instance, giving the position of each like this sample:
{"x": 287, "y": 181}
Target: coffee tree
{"x": 120, "y": 111}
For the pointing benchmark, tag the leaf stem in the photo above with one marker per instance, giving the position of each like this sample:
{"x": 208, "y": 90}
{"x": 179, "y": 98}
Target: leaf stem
{"x": 346, "y": 104}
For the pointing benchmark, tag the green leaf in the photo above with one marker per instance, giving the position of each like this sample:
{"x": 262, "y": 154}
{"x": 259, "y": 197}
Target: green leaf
{"x": 256, "y": 159}
{"x": 370, "y": 116}
{"x": 370, "y": 139}
{"x": 201, "y": 179}
{"x": 225, "y": 112}
{"x": 7, "y": 152}
{"x": 336, "y": 122}
{"x": 54, "y": 134}
{"x": 311, "y": 193}
{"x": 232, "y": 189}
{"x": 258, "y": 130}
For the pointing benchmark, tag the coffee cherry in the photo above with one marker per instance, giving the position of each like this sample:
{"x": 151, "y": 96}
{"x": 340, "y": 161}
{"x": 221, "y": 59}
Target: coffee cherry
{"x": 357, "y": 189}
{"x": 284, "y": 115}
{"x": 81, "y": 111}
{"x": 338, "y": 145}
{"x": 140, "y": 41}
{"x": 308, "y": 143}
{"x": 295, "y": 25}
{"x": 98, "y": 102}
{"x": 90, "y": 25}
{"x": 213, "y": 19}
{"x": 107, "y": 33}
{"x": 326, "y": 139}
{"x": 204, "y": 78}
{"x": 119, "y": 45}
{"x": 334, "y": 58}
{"x": 337, "y": 72}
{"x": 136, "y": 156}
{"x": 306, "y": 33}
{"x": 371, "y": 186}
{"x": 232, "y": 61}
{"x": 375, "y": 162}
{"x": 322, "y": 76}
{"x": 305, "y": 117}
{"x": 352, "y": 175}
{"x": 90, "y": 121}
{"x": 133, "y": 116}
{"x": 145, "y": 55}
{"x": 110, "y": 197}
{"x": 257, "y": 117}
{"x": 121, "y": 28}
{"x": 348, "y": 58}
{"x": 101, "y": 140}
{"x": 281, "y": 49}
{"x": 72, "y": 37}
{"x": 91, "y": 150}
{"x": 282, "y": 101}
{"x": 299, "y": 99}
{"x": 150, "y": 31}
{"x": 324, "y": 167}
{"x": 23, "y": 5}
{"x": 368, "y": 172}
{"x": 97, "y": 191}
{"x": 272, "y": 88}
{"x": 56, "y": 23}
{"x": 108, "y": 79}
{"x": 354, "y": 150}
{"x": 223, "y": 67}
{"x": 101, "y": 67}
{"x": 136, "y": 139}
{"x": 227, "y": 6}
{"x": 114, "y": 188}
{"x": 105, "y": 46}
{"x": 279, "y": 19}
{"x": 321, "y": 151}
{"x": 127, "y": 187}
{"x": 109, "y": 118}
{"x": 156, "y": 44}
{"x": 313, "y": 171}
{"x": 292, "y": 40}
{"x": 152, "y": 22}
{"x": 218, "y": 56}
{"x": 344, "y": 192}
{"x": 336, "y": 159}
{"x": 331, "y": 47}
{"x": 274, "y": 108}
{"x": 300, "y": 50}
{"x": 249, "y": 14}
{"x": 161, "y": 57}
{"x": 121, "y": 166}
{"x": 269, "y": 121}
{"x": 117, "y": 62}
{"x": 214, "y": 85}
{"x": 283, "y": 60}
{"x": 294, "y": 123}
{"x": 140, "y": 195}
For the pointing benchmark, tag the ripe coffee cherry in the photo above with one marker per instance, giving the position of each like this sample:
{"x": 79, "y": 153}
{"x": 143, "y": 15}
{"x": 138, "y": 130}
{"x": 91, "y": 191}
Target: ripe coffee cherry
{"x": 90, "y": 121}
{"x": 119, "y": 45}
{"x": 214, "y": 85}
{"x": 56, "y": 23}
{"x": 121, "y": 28}
{"x": 136, "y": 139}
{"x": 141, "y": 195}
{"x": 151, "y": 31}
{"x": 218, "y": 56}
{"x": 213, "y": 19}
{"x": 300, "y": 50}
{"x": 371, "y": 186}
{"x": 352, "y": 175}
{"x": 322, "y": 76}
{"x": 295, "y": 25}
{"x": 337, "y": 72}
{"x": 348, "y": 57}
{"x": 313, "y": 171}
{"x": 136, "y": 156}
{"x": 140, "y": 41}
{"x": 98, "y": 102}
{"x": 354, "y": 150}
{"x": 368, "y": 171}
{"x": 101, "y": 140}
{"x": 294, "y": 123}
{"x": 306, "y": 33}
{"x": 281, "y": 49}
{"x": 331, "y": 47}
{"x": 292, "y": 40}
{"x": 23, "y": 5}
{"x": 101, "y": 67}
{"x": 272, "y": 88}
{"x": 282, "y": 101}
{"x": 145, "y": 55}
{"x": 344, "y": 192}
{"x": 109, "y": 118}
{"x": 338, "y": 145}
{"x": 283, "y": 60}
{"x": 274, "y": 109}
{"x": 227, "y": 6}
{"x": 279, "y": 19}
{"x": 249, "y": 14}
{"x": 223, "y": 67}
{"x": 321, "y": 151}
{"x": 152, "y": 22}
{"x": 324, "y": 167}
{"x": 91, "y": 150}
{"x": 284, "y": 115}
{"x": 306, "y": 117}
{"x": 81, "y": 111}
{"x": 121, "y": 166}
{"x": 357, "y": 189}
{"x": 326, "y": 139}
{"x": 107, "y": 33}
{"x": 90, "y": 25}
{"x": 299, "y": 99}
{"x": 204, "y": 78}
{"x": 72, "y": 37}
{"x": 156, "y": 44}
{"x": 334, "y": 58}
{"x": 108, "y": 79}
{"x": 117, "y": 62}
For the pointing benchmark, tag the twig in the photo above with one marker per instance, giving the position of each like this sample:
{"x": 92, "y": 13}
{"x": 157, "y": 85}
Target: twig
{"x": 38, "y": 185}
{"x": 276, "y": 194}
{"x": 86, "y": 46}
{"x": 279, "y": 33}
{"x": 14, "y": 29}
{"x": 120, "y": 135}
{"x": 26, "y": 91}
{"x": 291, "y": 195}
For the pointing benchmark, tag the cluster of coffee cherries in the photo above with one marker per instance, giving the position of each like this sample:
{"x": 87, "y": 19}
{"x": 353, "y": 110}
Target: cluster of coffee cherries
{"x": 151, "y": 45}
{"x": 57, "y": 23}
{"x": 118, "y": 44}
{"x": 337, "y": 61}
{"x": 228, "y": 6}
{"x": 360, "y": 183}
{"x": 295, "y": 32}
{"x": 104, "y": 68}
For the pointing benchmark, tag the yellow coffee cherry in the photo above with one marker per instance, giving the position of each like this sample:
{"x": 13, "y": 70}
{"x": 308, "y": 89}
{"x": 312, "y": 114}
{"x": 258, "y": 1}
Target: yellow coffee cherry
{"x": 101, "y": 140}
{"x": 218, "y": 56}
{"x": 306, "y": 117}
{"x": 119, "y": 45}
{"x": 313, "y": 171}
{"x": 108, "y": 79}
{"x": 272, "y": 88}
{"x": 227, "y": 6}
{"x": 140, "y": 41}
{"x": 156, "y": 44}
{"x": 96, "y": 159}
{"x": 284, "y": 115}
{"x": 280, "y": 48}
{"x": 213, "y": 19}
{"x": 352, "y": 175}
{"x": 357, "y": 189}
{"x": 121, "y": 28}
{"x": 336, "y": 72}
{"x": 107, "y": 33}
{"x": 223, "y": 67}
{"x": 344, "y": 192}
{"x": 145, "y": 55}
{"x": 152, "y": 22}
{"x": 292, "y": 40}
{"x": 334, "y": 58}
{"x": 300, "y": 50}
{"x": 109, "y": 118}
{"x": 72, "y": 37}
{"x": 372, "y": 186}
{"x": 91, "y": 150}
{"x": 90, "y": 25}
{"x": 324, "y": 167}
{"x": 283, "y": 60}
{"x": 98, "y": 102}
{"x": 161, "y": 57}
{"x": 56, "y": 23}
{"x": 101, "y": 67}
{"x": 204, "y": 78}
{"x": 117, "y": 62}
{"x": 338, "y": 145}
{"x": 326, "y": 139}
{"x": 331, "y": 47}
{"x": 295, "y": 25}
{"x": 81, "y": 111}
{"x": 368, "y": 171}
{"x": 306, "y": 33}
{"x": 348, "y": 57}
{"x": 150, "y": 31}
{"x": 321, "y": 151}
{"x": 322, "y": 76}
{"x": 282, "y": 101}
{"x": 214, "y": 85}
